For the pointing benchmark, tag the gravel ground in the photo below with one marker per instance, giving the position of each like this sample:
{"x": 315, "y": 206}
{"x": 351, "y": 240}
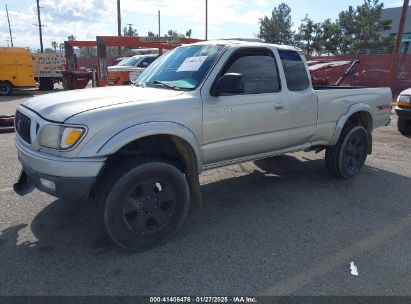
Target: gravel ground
{"x": 281, "y": 226}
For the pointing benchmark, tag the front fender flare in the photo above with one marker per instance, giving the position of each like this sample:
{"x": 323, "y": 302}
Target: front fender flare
{"x": 142, "y": 130}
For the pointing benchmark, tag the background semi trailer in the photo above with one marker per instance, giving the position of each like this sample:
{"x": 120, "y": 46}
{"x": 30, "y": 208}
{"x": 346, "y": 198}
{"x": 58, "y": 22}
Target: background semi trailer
{"x": 48, "y": 69}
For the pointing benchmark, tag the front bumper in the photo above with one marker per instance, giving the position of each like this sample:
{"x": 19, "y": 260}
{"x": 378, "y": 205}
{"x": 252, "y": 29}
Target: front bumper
{"x": 72, "y": 178}
{"x": 403, "y": 112}
{"x": 70, "y": 188}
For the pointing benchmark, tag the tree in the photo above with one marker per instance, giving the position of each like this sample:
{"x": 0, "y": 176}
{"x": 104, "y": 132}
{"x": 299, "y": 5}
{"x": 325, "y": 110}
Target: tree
{"x": 361, "y": 29}
{"x": 370, "y": 26}
{"x": 189, "y": 33}
{"x": 309, "y": 36}
{"x": 348, "y": 30}
{"x": 150, "y": 34}
{"x": 129, "y": 31}
{"x": 331, "y": 36}
{"x": 61, "y": 46}
{"x": 277, "y": 28}
{"x": 174, "y": 34}
{"x": 54, "y": 45}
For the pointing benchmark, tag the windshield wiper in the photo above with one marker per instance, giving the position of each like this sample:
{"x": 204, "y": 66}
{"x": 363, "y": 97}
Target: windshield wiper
{"x": 164, "y": 84}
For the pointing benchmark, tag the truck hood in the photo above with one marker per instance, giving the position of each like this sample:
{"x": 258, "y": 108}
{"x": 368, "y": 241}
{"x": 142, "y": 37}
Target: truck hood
{"x": 406, "y": 92}
{"x": 60, "y": 106}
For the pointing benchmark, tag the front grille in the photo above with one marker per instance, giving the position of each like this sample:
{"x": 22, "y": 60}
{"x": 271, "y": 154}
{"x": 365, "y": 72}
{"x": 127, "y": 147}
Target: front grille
{"x": 22, "y": 124}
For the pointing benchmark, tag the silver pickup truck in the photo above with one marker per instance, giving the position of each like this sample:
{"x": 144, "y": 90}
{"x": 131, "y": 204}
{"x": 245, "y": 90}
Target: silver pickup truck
{"x": 140, "y": 149}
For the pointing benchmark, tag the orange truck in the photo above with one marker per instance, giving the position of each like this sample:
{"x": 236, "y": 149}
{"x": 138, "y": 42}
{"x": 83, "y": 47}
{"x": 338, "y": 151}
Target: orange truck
{"x": 128, "y": 70}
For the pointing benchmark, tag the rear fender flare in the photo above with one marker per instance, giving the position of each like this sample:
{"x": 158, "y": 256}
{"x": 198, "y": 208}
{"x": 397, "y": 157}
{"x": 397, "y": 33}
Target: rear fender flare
{"x": 359, "y": 107}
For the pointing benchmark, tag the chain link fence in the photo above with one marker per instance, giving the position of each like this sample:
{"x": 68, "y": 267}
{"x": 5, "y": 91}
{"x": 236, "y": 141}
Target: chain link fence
{"x": 370, "y": 70}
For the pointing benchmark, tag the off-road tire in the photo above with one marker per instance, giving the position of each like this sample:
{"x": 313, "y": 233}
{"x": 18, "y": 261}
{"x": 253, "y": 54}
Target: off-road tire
{"x": 126, "y": 184}
{"x": 347, "y": 157}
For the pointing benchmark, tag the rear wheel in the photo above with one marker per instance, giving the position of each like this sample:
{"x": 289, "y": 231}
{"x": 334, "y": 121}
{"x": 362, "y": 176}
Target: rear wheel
{"x": 5, "y": 88}
{"x": 144, "y": 204}
{"x": 404, "y": 126}
{"x": 46, "y": 84}
{"x": 347, "y": 158}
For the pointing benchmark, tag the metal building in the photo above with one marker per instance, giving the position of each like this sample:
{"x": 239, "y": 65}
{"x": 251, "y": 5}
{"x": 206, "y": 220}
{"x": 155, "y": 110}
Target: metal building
{"x": 394, "y": 14}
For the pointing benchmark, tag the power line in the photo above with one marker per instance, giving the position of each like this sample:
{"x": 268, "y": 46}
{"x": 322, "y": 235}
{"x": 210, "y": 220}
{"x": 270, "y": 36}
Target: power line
{"x": 8, "y": 20}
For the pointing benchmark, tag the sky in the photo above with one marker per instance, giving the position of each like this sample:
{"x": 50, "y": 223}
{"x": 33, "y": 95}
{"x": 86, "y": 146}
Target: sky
{"x": 86, "y": 19}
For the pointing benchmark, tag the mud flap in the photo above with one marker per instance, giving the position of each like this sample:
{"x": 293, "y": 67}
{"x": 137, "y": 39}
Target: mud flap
{"x": 24, "y": 185}
{"x": 195, "y": 190}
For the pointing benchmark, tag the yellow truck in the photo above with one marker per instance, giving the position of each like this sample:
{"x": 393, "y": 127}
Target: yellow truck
{"x": 16, "y": 69}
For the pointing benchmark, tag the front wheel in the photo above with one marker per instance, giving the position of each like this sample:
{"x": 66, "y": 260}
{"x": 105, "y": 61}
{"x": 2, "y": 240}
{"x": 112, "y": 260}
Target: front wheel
{"x": 404, "y": 126}
{"x": 347, "y": 158}
{"x": 144, "y": 204}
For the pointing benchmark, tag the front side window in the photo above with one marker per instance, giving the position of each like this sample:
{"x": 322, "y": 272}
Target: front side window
{"x": 181, "y": 69}
{"x": 294, "y": 70}
{"x": 258, "y": 68}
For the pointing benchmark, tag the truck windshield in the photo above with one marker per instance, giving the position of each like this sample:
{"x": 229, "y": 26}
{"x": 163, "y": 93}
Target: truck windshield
{"x": 181, "y": 69}
{"x": 132, "y": 61}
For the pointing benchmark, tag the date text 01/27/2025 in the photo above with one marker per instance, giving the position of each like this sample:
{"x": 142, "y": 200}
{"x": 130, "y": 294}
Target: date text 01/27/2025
{"x": 203, "y": 300}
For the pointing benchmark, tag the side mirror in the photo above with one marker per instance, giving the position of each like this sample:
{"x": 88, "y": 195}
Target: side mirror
{"x": 228, "y": 84}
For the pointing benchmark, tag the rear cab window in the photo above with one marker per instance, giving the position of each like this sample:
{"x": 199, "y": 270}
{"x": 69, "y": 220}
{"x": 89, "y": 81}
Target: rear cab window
{"x": 295, "y": 71}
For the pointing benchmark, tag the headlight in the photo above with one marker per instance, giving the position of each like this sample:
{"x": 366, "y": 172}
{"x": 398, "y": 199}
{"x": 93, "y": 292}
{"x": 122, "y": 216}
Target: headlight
{"x": 59, "y": 137}
{"x": 404, "y": 100}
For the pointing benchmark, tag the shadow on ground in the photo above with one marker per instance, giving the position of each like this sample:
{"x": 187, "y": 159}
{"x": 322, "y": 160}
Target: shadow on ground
{"x": 251, "y": 235}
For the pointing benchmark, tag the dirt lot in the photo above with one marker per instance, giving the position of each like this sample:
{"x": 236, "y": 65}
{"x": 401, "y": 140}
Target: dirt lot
{"x": 280, "y": 226}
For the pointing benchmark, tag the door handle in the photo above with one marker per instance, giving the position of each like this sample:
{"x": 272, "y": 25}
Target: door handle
{"x": 279, "y": 107}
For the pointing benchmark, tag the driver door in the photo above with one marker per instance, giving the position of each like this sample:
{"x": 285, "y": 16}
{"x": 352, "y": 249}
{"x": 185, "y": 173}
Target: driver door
{"x": 240, "y": 125}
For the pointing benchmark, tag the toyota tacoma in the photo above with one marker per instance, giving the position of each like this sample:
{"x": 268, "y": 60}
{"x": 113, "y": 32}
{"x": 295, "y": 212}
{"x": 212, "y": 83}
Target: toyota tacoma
{"x": 140, "y": 149}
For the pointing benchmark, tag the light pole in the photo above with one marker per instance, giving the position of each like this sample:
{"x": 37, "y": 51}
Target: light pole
{"x": 119, "y": 25}
{"x": 159, "y": 28}
{"x": 206, "y": 19}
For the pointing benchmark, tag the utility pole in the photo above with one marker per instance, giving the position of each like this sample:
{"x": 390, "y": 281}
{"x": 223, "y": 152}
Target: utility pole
{"x": 8, "y": 45}
{"x": 402, "y": 25}
{"x": 119, "y": 24}
{"x": 206, "y": 20}
{"x": 159, "y": 28}
{"x": 397, "y": 50}
{"x": 118, "y": 18}
{"x": 8, "y": 20}
{"x": 40, "y": 25}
